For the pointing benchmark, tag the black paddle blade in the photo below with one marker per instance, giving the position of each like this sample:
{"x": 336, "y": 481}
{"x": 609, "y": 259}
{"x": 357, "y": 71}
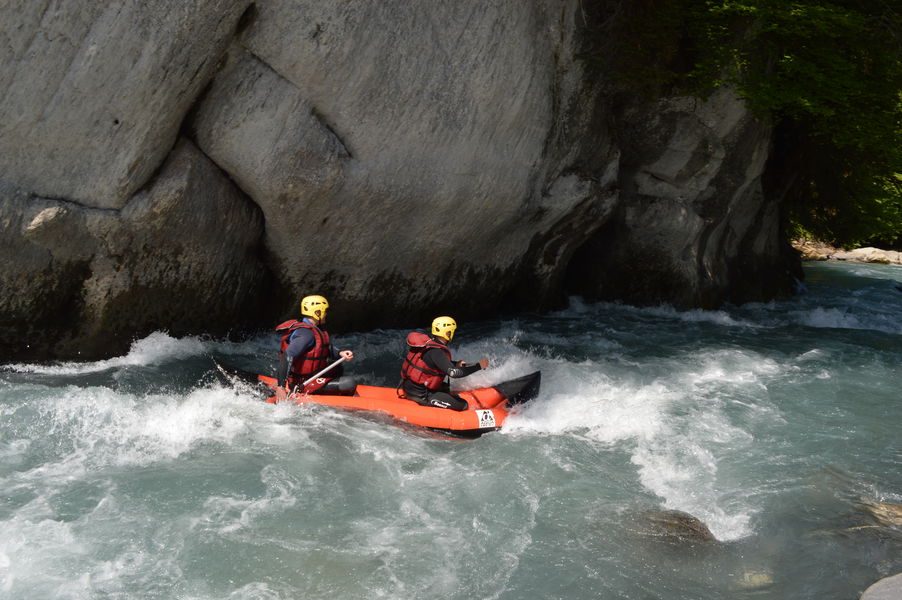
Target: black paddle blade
{"x": 521, "y": 389}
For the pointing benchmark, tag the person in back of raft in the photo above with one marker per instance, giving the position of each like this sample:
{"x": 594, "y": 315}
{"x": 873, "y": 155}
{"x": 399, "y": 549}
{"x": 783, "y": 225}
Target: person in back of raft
{"x": 428, "y": 362}
{"x": 305, "y": 349}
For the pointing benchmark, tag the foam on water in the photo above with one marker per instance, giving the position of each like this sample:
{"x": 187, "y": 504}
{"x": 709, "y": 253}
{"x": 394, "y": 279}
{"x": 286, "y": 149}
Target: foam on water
{"x": 157, "y": 348}
{"x": 674, "y": 427}
{"x": 104, "y": 426}
{"x": 30, "y": 550}
{"x": 228, "y": 515}
{"x": 119, "y": 491}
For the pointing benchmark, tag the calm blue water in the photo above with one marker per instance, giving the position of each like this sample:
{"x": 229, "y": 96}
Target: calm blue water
{"x": 146, "y": 476}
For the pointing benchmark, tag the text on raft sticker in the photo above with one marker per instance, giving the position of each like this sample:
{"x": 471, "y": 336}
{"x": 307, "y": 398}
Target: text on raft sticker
{"x": 486, "y": 419}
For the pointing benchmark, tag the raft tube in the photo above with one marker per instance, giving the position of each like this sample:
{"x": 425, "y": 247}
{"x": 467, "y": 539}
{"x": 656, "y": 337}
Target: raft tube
{"x": 488, "y": 407}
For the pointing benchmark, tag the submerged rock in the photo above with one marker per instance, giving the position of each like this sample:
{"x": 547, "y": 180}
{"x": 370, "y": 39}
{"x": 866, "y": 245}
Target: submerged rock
{"x": 676, "y": 525}
{"x": 755, "y": 580}
{"x": 885, "y": 514}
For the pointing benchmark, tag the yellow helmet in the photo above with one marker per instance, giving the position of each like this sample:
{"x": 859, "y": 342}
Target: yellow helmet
{"x": 444, "y": 327}
{"x": 314, "y": 306}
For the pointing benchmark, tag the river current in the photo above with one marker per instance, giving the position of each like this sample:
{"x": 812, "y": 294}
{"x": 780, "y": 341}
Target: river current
{"x": 777, "y": 425}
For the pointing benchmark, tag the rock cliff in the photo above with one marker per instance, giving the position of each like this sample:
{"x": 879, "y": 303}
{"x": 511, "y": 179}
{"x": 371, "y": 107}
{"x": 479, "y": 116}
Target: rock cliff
{"x": 196, "y": 166}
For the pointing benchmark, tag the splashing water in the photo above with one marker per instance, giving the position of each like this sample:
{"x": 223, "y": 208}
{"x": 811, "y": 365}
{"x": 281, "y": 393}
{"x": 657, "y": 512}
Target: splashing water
{"x": 147, "y": 476}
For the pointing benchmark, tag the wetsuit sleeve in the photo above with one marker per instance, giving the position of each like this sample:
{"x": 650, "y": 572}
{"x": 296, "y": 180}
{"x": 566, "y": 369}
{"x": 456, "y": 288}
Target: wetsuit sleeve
{"x": 300, "y": 341}
{"x": 439, "y": 361}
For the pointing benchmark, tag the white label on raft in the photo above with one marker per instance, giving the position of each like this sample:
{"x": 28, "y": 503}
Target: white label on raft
{"x": 486, "y": 419}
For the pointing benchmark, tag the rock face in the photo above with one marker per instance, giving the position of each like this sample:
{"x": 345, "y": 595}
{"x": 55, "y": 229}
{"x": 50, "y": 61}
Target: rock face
{"x": 95, "y": 92}
{"x": 86, "y": 281}
{"x": 419, "y": 141}
{"x": 693, "y": 227}
{"x": 455, "y": 157}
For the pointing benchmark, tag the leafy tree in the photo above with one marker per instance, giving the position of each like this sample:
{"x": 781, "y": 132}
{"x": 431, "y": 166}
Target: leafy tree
{"x": 827, "y": 73}
{"x": 830, "y": 73}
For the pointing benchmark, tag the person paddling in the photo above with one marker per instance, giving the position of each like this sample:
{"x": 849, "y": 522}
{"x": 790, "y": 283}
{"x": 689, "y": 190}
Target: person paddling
{"x": 305, "y": 349}
{"x": 428, "y": 362}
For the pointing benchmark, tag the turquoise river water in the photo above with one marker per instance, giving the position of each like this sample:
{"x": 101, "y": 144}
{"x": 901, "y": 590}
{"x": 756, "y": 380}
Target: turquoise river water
{"x": 777, "y": 425}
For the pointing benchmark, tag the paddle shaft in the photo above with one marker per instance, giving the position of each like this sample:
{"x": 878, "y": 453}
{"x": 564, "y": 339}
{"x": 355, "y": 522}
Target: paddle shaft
{"x": 320, "y": 374}
{"x": 324, "y": 371}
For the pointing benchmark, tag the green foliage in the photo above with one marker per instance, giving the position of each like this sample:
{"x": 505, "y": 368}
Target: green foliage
{"x": 833, "y": 69}
{"x": 828, "y": 71}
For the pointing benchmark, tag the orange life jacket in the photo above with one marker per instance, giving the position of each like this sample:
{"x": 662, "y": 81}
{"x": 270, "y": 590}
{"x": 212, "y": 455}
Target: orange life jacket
{"x": 315, "y": 359}
{"x": 415, "y": 369}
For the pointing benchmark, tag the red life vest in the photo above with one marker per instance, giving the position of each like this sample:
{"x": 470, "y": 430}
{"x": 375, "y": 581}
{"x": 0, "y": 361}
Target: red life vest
{"x": 415, "y": 369}
{"x": 315, "y": 359}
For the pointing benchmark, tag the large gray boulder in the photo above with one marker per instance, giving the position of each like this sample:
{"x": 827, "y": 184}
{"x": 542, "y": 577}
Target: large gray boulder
{"x": 411, "y": 158}
{"x": 40, "y": 287}
{"x": 181, "y": 256}
{"x": 94, "y": 92}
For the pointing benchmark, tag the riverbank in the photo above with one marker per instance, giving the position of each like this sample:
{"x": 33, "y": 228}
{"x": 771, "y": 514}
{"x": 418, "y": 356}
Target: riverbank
{"x": 814, "y": 250}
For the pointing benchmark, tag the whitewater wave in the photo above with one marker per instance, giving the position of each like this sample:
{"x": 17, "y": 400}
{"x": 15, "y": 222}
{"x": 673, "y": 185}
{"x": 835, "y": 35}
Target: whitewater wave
{"x": 677, "y": 428}
{"x": 155, "y": 349}
{"x": 97, "y": 427}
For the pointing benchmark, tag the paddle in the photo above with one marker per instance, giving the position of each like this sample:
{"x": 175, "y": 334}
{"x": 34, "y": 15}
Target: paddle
{"x": 304, "y": 385}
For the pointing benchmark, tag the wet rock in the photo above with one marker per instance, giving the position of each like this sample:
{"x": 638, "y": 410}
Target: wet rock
{"x": 50, "y": 253}
{"x": 676, "y": 525}
{"x": 87, "y": 281}
{"x": 885, "y": 514}
{"x": 889, "y": 588}
{"x": 755, "y": 580}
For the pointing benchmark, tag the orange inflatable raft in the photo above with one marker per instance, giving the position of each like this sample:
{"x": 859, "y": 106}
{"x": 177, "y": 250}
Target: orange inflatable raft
{"x": 488, "y": 407}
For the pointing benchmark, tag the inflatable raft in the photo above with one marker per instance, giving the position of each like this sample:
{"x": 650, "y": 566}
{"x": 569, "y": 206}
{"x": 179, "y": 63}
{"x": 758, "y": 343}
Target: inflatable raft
{"x": 489, "y": 406}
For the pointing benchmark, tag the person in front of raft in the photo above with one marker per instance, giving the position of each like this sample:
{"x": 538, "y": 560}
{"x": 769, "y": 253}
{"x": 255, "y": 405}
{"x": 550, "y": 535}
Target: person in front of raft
{"x": 428, "y": 362}
{"x": 305, "y": 349}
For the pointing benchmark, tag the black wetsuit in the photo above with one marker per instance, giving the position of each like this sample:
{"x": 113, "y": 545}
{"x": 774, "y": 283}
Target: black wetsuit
{"x": 443, "y": 398}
